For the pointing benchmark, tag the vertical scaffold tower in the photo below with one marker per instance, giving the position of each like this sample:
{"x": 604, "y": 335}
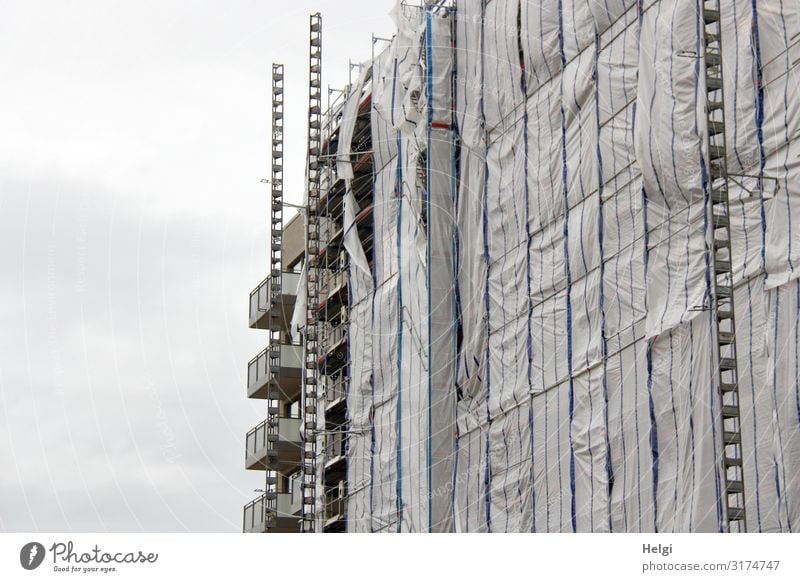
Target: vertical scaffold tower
{"x": 722, "y": 302}
{"x": 276, "y": 278}
{"x": 310, "y": 376}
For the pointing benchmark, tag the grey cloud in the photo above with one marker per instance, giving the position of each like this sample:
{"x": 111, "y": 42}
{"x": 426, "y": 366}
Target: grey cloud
{"x": 132, "y": 227}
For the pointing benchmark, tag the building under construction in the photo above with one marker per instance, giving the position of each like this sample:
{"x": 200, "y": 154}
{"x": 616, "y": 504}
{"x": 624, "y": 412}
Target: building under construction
{"x": 545, "y": 278}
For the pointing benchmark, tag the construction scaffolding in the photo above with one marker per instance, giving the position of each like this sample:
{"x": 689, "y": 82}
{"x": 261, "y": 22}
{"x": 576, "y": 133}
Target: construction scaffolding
{"x": 550, "y": 276}
{"x": 311, "y": 402}
{"x": 276, "y": 280}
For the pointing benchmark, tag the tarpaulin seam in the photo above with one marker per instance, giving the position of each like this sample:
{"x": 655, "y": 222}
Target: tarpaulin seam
{"x": 487, "y": 473}
{"x": 696, "y": 130}
{"x": 776, "y": 422}
{"x": 514, "y": 188}
{"x": 585, "y": 286}
{"x": 691, "y": 419}
{"x": 653, "y": 433}
{"x": 671, "y": 335}
{"x": 455, "y": 160}
{"x": 526, "y": 191}
{"x": 547, "y": 464}
{"x": 601, "y": 187}
{"x": 429, "y": 70}
{"x": 756, "y": 41}
{"x": 735, "y": 85}
{"x": 510, "y": 60}
{"x": 399, "y": 413}
{"x": 786, "y": 138}
{"x": 753, "y": 396}
{"x": 564, "y": 176}
{"x": 672, "y": 112}
{"x": 797, "y": 353}
{"x": 502, "y": 225}
{"x": 638, "y": 436}
{"x": 372, "y": 327}
{"x": 600, "y": 241}
{"x": 654, "y": 89}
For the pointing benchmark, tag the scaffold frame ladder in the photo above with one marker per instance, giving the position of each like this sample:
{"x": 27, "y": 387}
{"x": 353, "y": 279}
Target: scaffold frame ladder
{"x": 311, "y": 376}
{"x": 276, "y": 275}
{"x": 733, "y": 496}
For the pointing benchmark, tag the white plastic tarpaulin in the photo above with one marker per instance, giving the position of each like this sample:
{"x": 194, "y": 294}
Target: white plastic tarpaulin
{"x": 538, "y": 344}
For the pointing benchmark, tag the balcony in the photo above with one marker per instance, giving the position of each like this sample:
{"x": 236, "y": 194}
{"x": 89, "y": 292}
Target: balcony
{"x": 276, "y": 373}
{"x": 274, "y": 445}
{"x": 296, "y": 481}
{"x": 335, "y": 392}
{"x": 335, "y": 459}
{"x": 335, "y": 499}
{"x": 270, "y": 512}
{"x": 262, "y": 304}
{"x": 334, "y": 347}
{"x": 333, "y": 291}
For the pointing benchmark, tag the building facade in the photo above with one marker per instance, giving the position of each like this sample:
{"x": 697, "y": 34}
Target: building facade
{"x": 548, "y": 278}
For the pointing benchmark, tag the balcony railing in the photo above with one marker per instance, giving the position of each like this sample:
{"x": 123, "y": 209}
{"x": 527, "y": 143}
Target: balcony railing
{"x": 261, "y": 304}
{"x": 334, "y": 445}
{"x": 335, "y": 500}
{"x": 275, "y": 372}
{"x": 296, "y": 493}
{"x": 259, "y": 518}
{"x": 274, "y": 446}
{"x": 335, "y": 388}
{"x": 334, "y": 336}
{"x": 332, "y": 283}
{"x": 333, "y": 348}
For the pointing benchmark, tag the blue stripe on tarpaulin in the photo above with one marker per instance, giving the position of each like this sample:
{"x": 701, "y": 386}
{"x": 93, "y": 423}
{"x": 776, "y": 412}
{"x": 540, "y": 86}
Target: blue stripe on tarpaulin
{"x": 487, "y": 478}
{"x": 347, "y": 386}
{"x": 466, "y": 485}
{"x": 650, "y": 128}
{"x": 429, "y": 54}
{"x": 796, "y": 361}
{"x": 616, "y": 286}
{"x": 399, "y": 414}
{"x": 777, "y": 427}
{"x": 758, "y": 107}
{"x": 640, "y": 513}
{"x": 454, "y": 180}
{"x": 547, "y": 463}
{"x": 646, "y": 236}
{"x": 503, "y": 258}
{"x": 672, "y": 113}
{"x": 777, "y": 488}
{"x": 691, "y": 418}
{"x": 583, "y": 204}
{"x": 787, "y": 140}
{"x": 797, "y": 353}
{"x": 565, "y": 186}
{"x": 696, "y": 131}
{"x": 373, "y": 436}
{"x": 753, "y": 396}
{"x": 600, "y": 234}
{"x": 756, "y": 42}
{"x": 671, "y": 335}
{"x": 653, "y": 433}
{"x": 735, "y": 121}
{"x": 526, "y": 191}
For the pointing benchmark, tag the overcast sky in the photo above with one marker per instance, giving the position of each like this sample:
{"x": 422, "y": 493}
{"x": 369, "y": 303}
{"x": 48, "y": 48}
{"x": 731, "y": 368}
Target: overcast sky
{"x": 133, "y": 135}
